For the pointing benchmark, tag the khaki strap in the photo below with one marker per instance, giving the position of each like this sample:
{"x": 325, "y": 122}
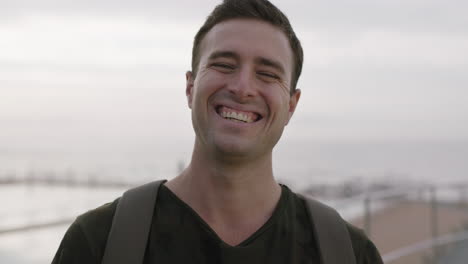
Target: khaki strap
{"x": 131, "y": 225}
{"x": 331, "y": 233}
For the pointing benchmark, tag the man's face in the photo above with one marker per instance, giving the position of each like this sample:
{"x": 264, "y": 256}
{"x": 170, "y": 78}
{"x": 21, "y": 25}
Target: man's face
{"x": 240, "y": 98}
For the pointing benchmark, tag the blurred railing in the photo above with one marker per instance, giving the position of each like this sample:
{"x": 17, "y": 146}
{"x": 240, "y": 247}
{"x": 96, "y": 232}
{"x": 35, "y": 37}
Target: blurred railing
{"x": 365, "y": 205}
{"x": 424, "y": 245}
{"x": 68, "y": 190}
{"x": 435, "y": 196}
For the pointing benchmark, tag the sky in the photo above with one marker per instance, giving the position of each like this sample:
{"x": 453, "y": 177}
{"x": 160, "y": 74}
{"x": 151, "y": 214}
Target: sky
{"x": 75, "y": 74}
{"x": 385, "y": 70}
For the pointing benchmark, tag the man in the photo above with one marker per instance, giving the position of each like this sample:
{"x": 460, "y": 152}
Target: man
{"x": 226, "y": 206}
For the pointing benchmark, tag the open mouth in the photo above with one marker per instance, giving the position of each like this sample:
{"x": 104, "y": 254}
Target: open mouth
{"x": 237, "y": 115}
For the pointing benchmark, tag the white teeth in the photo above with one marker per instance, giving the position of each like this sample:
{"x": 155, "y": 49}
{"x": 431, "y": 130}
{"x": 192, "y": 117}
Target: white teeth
{"x": 237, "y": 116}
{"x": 243, "y": 117}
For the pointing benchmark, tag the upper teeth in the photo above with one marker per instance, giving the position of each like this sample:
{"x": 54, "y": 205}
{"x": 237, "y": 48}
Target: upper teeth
{"x": 237, "y": 116}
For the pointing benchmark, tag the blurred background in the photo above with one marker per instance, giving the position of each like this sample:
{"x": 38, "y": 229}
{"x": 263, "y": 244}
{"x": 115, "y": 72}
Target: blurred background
{"x": 92, "y": 102}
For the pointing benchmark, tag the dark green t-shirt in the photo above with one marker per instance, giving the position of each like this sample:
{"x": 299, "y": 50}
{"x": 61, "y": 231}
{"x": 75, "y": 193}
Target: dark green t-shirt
{"x": 179, "y": 235}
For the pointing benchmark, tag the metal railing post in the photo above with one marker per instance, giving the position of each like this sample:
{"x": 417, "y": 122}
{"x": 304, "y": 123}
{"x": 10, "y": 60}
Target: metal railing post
{"x": 367, "y": 215}
{"x": 462, "y": 190}
{"x": 434, "y": 221}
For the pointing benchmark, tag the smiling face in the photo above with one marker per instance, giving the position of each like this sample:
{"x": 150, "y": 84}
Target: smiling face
{"x": 240, "y": 98}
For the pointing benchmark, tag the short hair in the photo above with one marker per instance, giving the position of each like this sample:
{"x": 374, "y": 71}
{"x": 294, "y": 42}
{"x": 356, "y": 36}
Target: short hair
{"x": 254, "y": 9}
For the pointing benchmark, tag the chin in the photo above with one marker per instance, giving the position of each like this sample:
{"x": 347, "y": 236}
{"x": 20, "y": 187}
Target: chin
{"x": 234, "y": 149}
{"x": 239, "y": 152}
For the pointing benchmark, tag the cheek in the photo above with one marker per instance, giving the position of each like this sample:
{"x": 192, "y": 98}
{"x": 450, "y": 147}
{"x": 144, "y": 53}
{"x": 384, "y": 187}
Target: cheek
{"x": 205, "y": 86}
{"x": 277, "y": 100}
{"x": 209, "y": 80}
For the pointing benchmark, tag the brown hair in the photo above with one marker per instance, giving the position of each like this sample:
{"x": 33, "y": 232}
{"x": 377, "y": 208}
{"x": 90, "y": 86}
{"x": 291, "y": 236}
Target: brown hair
{"x": 255, "y": 9}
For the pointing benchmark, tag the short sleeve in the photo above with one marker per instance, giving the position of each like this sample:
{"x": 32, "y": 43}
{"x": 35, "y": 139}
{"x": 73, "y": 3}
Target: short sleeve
{"x": 74, "y": 248}
{"x": 85, "y": 240}
{"x": 364, "y": 249}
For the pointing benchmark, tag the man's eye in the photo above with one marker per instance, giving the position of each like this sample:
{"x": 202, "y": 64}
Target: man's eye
{"x": 269, "y": 75}
{"x": 223, "y": 66}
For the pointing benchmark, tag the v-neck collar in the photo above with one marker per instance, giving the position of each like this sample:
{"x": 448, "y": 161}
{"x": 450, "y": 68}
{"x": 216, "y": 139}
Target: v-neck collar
{"x": 276, "y": 213}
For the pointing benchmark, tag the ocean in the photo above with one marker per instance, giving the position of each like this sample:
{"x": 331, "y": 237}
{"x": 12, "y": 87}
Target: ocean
{"x": 296, "y": 162}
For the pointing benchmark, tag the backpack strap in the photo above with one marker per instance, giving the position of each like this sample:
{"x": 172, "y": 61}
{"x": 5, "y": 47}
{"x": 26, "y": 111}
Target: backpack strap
{"x": 127, "y": 245}
{"x": 331, "y": 233}
{"x": 131, "y": 225}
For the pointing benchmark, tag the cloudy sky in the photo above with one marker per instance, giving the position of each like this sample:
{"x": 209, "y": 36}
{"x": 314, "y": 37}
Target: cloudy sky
{"x": 114, "y": 70}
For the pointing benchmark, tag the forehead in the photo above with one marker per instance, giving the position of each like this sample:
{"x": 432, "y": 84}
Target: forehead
{"x": 248, "y": 38}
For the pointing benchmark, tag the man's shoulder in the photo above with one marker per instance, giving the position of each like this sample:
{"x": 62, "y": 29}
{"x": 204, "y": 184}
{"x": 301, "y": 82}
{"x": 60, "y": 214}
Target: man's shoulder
{"x": 97, "y": 221}
{"x": 364, "y": 249}
{"x": 85, "y": 239}
{"x": 99, "y": 214}
{"x": 95, "y": 225}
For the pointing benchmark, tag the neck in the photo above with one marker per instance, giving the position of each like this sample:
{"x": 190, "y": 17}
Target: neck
{"x": 229, "y": 196}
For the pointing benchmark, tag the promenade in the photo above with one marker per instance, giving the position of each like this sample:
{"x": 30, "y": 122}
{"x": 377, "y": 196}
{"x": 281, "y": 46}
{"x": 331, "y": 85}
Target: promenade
{"x": 42, "y": 209}
{"x": 409, "y": 222}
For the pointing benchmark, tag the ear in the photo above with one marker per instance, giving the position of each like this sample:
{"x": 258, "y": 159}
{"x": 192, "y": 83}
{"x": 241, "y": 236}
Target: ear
{"x": 189, "y": 87}
{"x": 293, "y": 100}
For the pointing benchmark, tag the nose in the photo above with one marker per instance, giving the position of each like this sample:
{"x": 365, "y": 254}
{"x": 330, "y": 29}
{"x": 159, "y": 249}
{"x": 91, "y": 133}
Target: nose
{"x": 243, "y": 86}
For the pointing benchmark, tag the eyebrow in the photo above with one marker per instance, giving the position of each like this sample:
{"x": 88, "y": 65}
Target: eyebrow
{"x": 223, "y": 54}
